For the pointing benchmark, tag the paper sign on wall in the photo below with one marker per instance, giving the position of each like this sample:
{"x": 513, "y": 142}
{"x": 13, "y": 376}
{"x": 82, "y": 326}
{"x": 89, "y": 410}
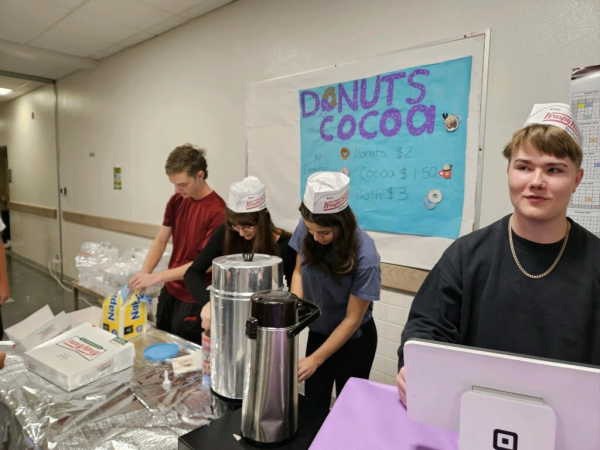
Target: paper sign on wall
{"x": 401, "y": 137}
{"x": 117, "y": 179}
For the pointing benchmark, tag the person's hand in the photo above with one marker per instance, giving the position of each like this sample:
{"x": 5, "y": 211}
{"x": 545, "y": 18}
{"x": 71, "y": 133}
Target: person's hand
{"x": 2, "y": 358}
{"x": 143, "y": 280}
{"x": 401, "y": 380}
{"x": 4, "y": 294}
{"x": 306, "y": 368}
{"x": 205, "y": 316}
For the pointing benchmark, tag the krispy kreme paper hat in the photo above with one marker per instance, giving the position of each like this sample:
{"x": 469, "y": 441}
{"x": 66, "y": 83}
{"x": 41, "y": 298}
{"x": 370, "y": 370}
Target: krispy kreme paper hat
{"x": 327, "y": 192}
{"x": 247, "y": 196}
{"x": 557, "y": 114}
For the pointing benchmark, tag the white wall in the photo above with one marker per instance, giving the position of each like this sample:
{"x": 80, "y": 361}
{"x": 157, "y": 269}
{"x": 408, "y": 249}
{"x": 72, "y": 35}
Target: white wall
{"x": 32, "y": 157}
{"x": 188, "y": 86}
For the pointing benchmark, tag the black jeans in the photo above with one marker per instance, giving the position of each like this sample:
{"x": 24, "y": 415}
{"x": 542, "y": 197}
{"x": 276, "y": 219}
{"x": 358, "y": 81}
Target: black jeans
{"x": 178, "y": 317}
{"x": 353, "y": 359}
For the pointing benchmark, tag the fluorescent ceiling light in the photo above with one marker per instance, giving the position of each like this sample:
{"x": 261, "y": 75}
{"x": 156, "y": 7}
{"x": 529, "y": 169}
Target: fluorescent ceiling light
{"x": 5, "y": 91}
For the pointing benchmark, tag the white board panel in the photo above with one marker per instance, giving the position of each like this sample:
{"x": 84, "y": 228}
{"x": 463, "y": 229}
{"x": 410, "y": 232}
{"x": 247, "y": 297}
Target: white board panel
{"x": 273, "y": 133}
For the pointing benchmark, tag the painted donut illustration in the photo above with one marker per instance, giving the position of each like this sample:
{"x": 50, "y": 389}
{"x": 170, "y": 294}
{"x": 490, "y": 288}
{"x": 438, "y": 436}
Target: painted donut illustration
{"x": 435, "y": 196}
{"x": 344, "y": 153}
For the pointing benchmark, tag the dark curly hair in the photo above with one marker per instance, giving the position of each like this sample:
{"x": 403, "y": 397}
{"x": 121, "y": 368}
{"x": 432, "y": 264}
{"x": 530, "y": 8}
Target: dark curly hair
{"x": 341, "y": 256}
{"x": 187, "y": 158}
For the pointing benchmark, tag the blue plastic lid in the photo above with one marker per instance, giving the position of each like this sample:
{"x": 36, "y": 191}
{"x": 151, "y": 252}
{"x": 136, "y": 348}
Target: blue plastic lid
{"x": 160, "y": 352}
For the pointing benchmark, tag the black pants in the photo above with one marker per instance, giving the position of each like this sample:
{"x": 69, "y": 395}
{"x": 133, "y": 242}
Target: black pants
{"x": 178, "y": 317}
{"x": 353, "y": 359}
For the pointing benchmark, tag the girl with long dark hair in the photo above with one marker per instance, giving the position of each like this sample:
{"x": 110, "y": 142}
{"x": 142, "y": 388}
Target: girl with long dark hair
{"x": 247, "y": 229}
{"x": 337, "y": 267}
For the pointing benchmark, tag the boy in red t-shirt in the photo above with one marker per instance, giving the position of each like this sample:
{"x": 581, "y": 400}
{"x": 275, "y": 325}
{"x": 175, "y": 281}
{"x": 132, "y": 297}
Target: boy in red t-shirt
{"x": 191, "y": 216}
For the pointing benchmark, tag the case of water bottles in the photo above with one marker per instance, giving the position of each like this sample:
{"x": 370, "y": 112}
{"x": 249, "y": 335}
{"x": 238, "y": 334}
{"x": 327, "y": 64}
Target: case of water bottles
{"x": 102, "y": 270}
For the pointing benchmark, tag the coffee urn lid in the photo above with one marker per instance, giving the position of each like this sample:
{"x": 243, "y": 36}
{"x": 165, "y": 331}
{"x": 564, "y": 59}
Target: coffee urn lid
{"x": 274, "y": 309}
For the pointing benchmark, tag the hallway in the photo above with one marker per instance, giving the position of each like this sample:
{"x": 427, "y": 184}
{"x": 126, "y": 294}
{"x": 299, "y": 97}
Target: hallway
{"x": 30, "y": 288}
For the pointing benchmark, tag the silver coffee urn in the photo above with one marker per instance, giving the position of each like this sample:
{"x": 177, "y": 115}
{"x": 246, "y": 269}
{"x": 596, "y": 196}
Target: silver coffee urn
{"x": 235, "y": 279}
{"x": 270, "y": 403}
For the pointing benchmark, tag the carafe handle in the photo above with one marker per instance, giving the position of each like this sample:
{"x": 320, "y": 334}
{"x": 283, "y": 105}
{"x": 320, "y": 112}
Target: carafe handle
{"x": 306, "y": 319}
{"x": 252, "y": 328}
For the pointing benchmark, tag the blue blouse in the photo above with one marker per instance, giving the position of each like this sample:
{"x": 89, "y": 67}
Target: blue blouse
{"x": 332, "y": 298}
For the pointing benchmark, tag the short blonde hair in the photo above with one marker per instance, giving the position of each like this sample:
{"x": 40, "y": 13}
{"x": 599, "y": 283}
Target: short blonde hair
{"x": 548, "y": 139}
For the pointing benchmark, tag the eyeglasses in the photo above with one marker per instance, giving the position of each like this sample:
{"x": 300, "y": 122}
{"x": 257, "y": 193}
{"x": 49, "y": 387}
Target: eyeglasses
{"x": 237, "y": 229}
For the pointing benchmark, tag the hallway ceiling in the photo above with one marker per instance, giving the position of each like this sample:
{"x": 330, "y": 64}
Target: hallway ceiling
{"x": 53, "y": 38}
{"x": 18, "y": 87}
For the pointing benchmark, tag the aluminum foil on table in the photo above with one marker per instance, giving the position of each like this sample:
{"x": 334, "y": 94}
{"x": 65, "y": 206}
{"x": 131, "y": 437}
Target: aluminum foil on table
{"x": 126, "y": 410}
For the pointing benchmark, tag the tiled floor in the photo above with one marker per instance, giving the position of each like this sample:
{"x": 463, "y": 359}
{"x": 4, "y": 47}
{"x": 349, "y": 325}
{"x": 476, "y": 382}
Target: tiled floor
{"x": 31, "y": 288}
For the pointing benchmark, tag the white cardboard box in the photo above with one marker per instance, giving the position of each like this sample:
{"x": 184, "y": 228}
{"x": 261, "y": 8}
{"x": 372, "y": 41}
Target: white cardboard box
{"x": 80, "y": 356}
{"x": 41, "y": 326}
{"x": 93, "y": 315}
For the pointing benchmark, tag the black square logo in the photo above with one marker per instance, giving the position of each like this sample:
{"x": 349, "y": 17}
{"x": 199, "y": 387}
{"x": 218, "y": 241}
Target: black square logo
{"x": 505, "y": 440}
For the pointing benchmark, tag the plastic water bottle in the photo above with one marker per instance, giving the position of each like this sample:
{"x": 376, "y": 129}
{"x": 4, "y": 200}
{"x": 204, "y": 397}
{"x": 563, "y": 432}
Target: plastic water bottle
{"x": 206, "y": 359}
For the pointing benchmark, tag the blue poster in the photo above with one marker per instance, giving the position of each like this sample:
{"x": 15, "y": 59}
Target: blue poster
{"x": 401, "y": 138}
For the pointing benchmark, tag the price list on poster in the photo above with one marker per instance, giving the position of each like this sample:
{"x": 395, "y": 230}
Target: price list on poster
{"x": 584, "y": 207}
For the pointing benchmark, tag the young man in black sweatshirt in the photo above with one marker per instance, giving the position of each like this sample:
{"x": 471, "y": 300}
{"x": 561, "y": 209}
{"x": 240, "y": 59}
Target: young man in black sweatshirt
{"x": 529, "y": 283}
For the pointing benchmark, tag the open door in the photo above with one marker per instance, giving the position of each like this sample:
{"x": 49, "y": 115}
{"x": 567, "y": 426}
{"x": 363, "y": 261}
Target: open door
{"x": 5, "y": 194}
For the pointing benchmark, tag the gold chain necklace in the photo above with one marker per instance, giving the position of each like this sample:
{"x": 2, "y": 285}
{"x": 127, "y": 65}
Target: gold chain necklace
{"x": 512, "y": 249}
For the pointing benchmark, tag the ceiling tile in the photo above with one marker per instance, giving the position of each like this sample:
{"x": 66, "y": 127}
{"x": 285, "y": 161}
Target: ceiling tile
{"x": 129, "y": 13}
{"x": 172, "y": 6}
{"x": 79, "y": 24}
{"x": 12, "y": 83}
{"x": 36, "y": 66}
{"x": 24, "y": 20}
{"x": 168, "y": 24}
{"x": 108, "y": 51}
{"x": 203, "y": 8}
{"x": 133, "y": 40}
{"x": 27, "y": 87}
{"x": 60, "y": 72}
{"x": 61, "y": 40}
{"x": 71, "y": 4}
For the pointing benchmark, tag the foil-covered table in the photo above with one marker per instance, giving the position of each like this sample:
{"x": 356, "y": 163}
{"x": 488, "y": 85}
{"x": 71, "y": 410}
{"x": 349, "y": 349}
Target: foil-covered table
{"x": 127, "y": 410}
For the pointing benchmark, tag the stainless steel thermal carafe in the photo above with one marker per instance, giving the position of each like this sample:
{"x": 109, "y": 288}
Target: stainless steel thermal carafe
{"x": 270, "y": 403}
{"x": 235, "y": 279}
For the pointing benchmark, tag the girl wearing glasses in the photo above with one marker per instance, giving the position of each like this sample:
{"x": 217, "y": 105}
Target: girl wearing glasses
{"x": 247, "y": 229}
{"x": 337, "y": 267}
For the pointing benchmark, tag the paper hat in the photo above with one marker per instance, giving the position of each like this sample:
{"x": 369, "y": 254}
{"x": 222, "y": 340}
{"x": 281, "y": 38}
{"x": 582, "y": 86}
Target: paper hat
{"x": 247, "y": 196}
{"x": 557, "y": 114}
{"x": 327, "y": 192}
